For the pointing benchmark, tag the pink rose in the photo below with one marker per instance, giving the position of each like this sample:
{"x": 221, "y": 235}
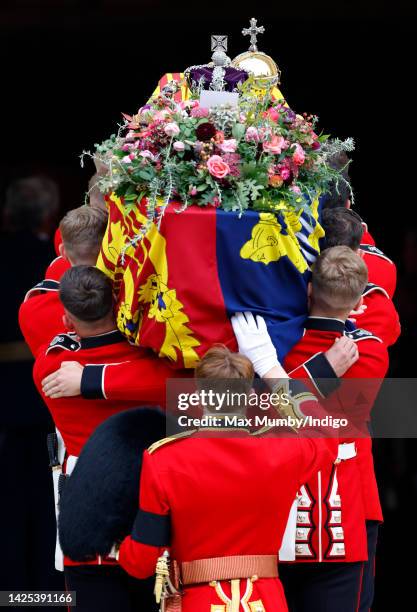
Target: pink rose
{"x": 193, "y": 190}
{"x": 217, "y": 167}
{"x": 172, "y": 129}
{"x": 228, "y": 146}
{"x": 161, "y": 115}
{"x": 147, "y": 154}
{"x": 189, "y": 104}
{"x": 198, "y": 112}
{"x": 275, "y": 145}
{"x": 179, "y": 145}
{"x": 127, "y": 159}
{"x": 299, "y": 155}
{"x": 273, "y": 114}
{"x": 252, "y": 134}
{"x": 295, "y": 189}
{"x": 285, "y": 173}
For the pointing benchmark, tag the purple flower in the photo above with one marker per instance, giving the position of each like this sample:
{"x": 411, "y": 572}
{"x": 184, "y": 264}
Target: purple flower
{"x": 289, "y": 116}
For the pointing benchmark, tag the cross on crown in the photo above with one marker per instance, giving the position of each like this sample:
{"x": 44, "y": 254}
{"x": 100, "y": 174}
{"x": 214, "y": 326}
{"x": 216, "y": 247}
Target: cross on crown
{"x": 219, "y": 42}
{"x": 253, "y": 32}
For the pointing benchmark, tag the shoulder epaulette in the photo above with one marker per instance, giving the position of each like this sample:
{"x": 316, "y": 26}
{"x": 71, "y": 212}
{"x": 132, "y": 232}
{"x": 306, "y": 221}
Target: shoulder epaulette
{"x": 371, "y": 287}
{"x": 45, "y": 285}
{"x": 373, "y": 250}
{"x": 262, "y": 430}
{"x": 66, "y": 342}
{"x": 361, "y": 334}
{"x": 160, "y": 443}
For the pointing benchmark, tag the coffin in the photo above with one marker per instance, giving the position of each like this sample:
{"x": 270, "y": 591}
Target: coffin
{"x": 177, "y": 281}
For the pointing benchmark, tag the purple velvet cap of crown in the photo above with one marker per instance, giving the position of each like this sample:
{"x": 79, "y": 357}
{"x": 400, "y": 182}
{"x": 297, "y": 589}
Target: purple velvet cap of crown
{"x": 232, "y": 78}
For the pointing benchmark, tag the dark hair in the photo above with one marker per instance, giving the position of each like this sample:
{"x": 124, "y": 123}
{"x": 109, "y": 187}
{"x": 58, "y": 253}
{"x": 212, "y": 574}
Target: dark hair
{"x": 343, "y": 227}
{"x": 86, "y": 293}
{"x": 339, "y": 190}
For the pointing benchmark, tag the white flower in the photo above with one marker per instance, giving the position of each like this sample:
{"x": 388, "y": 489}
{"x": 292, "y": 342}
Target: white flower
{"x": 147, "y": 154}
{"x": 172, "y": 129}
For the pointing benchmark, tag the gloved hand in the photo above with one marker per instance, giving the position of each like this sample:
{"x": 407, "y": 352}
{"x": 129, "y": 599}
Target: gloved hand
{"x": 254, "y": 341}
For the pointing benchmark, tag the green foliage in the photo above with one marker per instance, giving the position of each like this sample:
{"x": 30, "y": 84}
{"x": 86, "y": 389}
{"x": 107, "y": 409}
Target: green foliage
{"x": 157, "y": 170}
{"x": 238, "y": 131}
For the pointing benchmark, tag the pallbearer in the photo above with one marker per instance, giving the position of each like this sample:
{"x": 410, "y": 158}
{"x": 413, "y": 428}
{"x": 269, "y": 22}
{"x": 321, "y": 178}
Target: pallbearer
{"x": 209, "y": 519}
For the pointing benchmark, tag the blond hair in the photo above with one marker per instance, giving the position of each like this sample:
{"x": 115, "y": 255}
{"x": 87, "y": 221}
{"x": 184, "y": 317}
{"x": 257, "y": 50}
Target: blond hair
{"x": 220, "y": 362}
{"x": 339, "y": 278}
{"x": 82, "y": 230}
{"x": 222, "y": 371}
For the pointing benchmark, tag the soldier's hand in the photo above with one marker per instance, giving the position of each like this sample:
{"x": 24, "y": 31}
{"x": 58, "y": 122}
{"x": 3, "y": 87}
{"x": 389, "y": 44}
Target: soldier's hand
{"x": 342, "y": 355}
{"x": 65, "y": 382}
{"x": 254, "y": 341}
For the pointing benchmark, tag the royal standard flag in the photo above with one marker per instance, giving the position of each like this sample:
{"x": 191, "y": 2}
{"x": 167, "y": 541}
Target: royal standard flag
{"x": 178, "y": 284}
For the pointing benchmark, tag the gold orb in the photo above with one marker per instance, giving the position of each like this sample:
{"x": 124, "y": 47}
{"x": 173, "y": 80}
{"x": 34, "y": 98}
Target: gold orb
{"x": 259, "y": 65}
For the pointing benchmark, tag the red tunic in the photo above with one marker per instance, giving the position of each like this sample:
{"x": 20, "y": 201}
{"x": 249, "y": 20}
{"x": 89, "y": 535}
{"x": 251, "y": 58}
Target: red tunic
{"x": 217, "y": 504}
{"x": 381, "y": 270}
{"x": 75, "y": 417}
{"x": 122, "y": 382}
{"x": 129, "y": 380}
{"x": 40, "y": 315}
{"x": 340, "y": 500}
{"x": 57, "y": 268}
{"x": 57, "y": 240}
{"x": 367, "y": 238}
{"x": 380, "y": 316}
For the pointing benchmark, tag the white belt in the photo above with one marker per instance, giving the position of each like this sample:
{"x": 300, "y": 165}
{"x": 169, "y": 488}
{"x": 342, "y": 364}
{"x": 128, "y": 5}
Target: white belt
{"x": 287, "y": 550}
{"x": 56, "y": 473}
{"x": 347, "y": 450}
{"x": 71, "y": 462}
